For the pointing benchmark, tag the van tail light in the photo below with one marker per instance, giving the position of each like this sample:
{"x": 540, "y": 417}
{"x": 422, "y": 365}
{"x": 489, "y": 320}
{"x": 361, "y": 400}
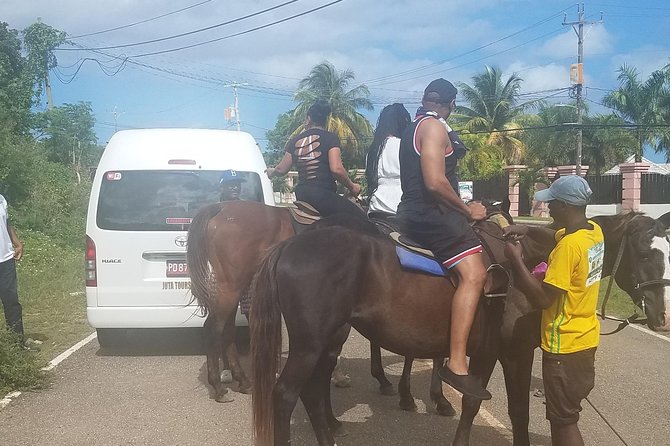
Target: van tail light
{"x": 90, "y": 265}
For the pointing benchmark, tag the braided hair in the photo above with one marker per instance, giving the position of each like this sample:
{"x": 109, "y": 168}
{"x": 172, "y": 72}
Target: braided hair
{"x": 393, "y": 120}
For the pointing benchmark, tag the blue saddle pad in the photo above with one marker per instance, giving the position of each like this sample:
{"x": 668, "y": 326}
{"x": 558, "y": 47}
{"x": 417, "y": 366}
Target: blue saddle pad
{"x": 417, "y": 262}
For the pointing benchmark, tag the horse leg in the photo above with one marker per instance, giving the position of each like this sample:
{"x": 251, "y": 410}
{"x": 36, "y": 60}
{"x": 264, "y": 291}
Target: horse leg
{"x": 517, "y": 370}
{"x": 481, "y": 365}
{"x": 321, "y": 379}
{"x": 298, "y": 371}
{"x": 406, "y": 398}
{"x": 442, "y": 405}
{"x": 232, "y": 355}
{"x": 377, "y": 370}
{"x": 213, "y": 347}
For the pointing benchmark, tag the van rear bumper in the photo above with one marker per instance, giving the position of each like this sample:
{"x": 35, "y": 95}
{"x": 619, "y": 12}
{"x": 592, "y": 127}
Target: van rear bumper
{"x": 150, "y": 317}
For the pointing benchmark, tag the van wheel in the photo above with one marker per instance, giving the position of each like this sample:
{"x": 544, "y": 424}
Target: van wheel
{"x": 111, "y": 337}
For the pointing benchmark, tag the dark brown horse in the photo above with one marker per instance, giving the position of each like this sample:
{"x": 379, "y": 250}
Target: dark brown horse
{"x": 325, "y": 281}
{"x": 226, "y": 243}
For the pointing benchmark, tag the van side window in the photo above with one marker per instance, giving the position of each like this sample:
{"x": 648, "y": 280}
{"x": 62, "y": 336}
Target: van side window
{"x": 152, "y": 200}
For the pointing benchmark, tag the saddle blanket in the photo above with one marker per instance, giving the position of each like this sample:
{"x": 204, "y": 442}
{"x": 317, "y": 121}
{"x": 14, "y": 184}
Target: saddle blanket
{"x": 417, "y": 262}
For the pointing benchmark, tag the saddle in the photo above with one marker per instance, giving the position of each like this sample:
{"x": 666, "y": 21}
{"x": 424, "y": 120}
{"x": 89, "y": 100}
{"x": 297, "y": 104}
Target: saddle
{"x": 416, "y": 257}
{"x": 303, "y": 213}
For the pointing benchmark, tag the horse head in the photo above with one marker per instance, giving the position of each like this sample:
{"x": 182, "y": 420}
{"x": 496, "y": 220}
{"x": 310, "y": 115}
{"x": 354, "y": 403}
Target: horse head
{"x": 644, "y": 270}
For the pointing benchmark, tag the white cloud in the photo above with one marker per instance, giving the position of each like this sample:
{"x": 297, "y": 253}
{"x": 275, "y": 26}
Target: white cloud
{"x": 646, "y": 59}
{"x": 544, "y": 77}
{"x": 597, "y": 40}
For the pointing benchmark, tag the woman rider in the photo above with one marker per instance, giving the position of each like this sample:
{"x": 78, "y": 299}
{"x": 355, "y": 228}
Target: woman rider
{"x": 317, "y": 155}
{"x": 382, "y": 165}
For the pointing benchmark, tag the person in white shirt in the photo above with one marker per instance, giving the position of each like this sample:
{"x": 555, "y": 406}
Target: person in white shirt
{"x": 11, "y": 250}
{"x": 382, "y": 164}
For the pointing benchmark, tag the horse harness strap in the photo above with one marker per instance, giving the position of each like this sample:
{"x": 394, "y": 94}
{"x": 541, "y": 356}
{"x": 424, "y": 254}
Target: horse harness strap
{"x": 635, "y": 318}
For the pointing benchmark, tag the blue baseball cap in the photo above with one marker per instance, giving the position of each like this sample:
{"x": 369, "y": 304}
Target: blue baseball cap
{"x": 230, "y": 175}
{"x": 570, "y": 189}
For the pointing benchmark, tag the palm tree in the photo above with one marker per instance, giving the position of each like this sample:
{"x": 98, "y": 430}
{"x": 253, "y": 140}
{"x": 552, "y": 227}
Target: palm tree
{"x": 549, "y": 145}
{"x": 326, "y": 82}
{"x": 604, "y": 144}
{"x": 640, "y": 103}
{"x": 492, "y": 107}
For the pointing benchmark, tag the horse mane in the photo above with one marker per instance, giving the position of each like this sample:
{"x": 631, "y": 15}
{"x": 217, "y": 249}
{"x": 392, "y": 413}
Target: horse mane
{"x": 616, "y": 224}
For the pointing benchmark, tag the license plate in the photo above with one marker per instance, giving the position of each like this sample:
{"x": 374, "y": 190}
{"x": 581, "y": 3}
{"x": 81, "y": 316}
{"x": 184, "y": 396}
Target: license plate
{"x": 176, "y": 268}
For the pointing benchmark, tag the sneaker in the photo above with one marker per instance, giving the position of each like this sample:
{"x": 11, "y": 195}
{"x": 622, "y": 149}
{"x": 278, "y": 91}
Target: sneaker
{"x": 32, "y": 345}
{"x": 466, "y": 384}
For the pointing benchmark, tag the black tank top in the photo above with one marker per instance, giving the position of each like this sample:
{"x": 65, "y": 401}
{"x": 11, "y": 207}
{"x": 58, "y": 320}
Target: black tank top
{"x": 309, "y": 151}
{"x": 415, "y": 196}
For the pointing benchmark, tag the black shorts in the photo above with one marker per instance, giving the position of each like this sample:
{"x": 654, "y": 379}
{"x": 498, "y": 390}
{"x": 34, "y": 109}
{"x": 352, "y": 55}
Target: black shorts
{"x": 448, "y": 234}
{"x": 568, "y": 379}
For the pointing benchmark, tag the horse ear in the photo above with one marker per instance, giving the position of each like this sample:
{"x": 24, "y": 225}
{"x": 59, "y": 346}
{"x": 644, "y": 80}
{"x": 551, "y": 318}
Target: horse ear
{"x": 665, "y": 219}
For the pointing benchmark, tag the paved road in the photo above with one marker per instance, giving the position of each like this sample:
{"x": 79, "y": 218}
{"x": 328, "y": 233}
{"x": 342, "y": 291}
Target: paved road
{"x": 156, "y": 394}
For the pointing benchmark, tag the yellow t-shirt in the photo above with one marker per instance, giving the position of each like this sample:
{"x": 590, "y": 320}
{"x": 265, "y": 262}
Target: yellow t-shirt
{"x": 575, "y": 266}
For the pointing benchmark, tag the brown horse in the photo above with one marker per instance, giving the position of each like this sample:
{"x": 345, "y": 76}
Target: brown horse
{"x": 232, "y": 237}
{"x": 226, "y": 243}
{"x": 324, "y": 280}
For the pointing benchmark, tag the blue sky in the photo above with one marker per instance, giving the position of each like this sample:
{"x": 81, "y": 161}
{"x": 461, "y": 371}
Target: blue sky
{"x": 406, "y": 43}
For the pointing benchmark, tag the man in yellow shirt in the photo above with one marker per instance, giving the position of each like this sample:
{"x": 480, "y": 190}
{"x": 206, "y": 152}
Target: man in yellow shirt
{"x": 568, "y": 297}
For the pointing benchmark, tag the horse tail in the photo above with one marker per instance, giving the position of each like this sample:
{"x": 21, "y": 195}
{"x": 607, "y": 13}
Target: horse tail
{"x": 266, "y": 341}
{"x": 197, "y": 257}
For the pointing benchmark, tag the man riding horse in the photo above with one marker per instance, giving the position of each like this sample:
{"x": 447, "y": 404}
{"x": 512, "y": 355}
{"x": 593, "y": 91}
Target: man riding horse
{"x": 436, "y": 217}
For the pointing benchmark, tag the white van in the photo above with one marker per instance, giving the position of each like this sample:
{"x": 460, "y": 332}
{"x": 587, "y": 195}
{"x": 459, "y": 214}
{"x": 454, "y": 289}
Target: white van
{"x": 148, "y": 186}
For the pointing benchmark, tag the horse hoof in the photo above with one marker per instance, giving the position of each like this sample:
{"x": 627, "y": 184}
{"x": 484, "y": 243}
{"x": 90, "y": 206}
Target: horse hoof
{"x": 445, "y": 410}
{"x": 225, "y": 398}
{"x": 388, "y": 390}
{"x": 409, "y": 406}
{"x": 342, "y": 382}
{"x": 245, "y": 389}
{"x": 339, "y": 431}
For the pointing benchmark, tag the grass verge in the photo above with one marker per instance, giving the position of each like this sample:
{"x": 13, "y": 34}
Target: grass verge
{"x": 51, "y": 291}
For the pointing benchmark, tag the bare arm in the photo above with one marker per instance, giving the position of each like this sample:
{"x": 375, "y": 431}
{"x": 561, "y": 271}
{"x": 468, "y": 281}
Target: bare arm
{"x": 339, "y": 172}
{"x": 18, "y": 246}
{"x": 432, "y": 140}
{"x": 542, "y": 234}
{"x": 282, "y": 168}
{"x": 540, "y": 294}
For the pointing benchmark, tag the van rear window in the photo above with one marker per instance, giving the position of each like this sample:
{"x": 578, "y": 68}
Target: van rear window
{"x": 153, "y": 200}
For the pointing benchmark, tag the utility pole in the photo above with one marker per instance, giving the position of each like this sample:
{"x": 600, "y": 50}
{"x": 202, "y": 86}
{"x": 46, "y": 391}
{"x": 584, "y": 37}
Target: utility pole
{"x": 234, "y": 86}
{"x": 116, "y": 115}
{"x": 47, "y": 86}
{"x": 579, "y": 30}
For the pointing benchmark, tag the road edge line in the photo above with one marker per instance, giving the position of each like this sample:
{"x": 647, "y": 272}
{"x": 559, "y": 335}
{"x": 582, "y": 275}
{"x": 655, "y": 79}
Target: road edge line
{"x": 63, "y": 356}
{"x": 649, "y": 332}
{"x": 487, "y": 416}
{"x": 4, "y": 402}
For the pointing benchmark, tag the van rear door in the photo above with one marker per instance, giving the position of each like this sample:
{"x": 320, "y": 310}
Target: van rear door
{"x": 144, "y": 216}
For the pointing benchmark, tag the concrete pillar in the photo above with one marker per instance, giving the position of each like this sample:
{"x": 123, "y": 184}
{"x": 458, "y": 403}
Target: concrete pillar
{"x": 571, "y": 170}
{"x": 631, "y": 179}
{"x": 540, "y": 208}
{"x": 513, "y": 187}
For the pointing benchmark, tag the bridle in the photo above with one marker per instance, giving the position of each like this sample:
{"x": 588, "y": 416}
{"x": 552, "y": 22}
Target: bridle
{"x": 637, "y": 294}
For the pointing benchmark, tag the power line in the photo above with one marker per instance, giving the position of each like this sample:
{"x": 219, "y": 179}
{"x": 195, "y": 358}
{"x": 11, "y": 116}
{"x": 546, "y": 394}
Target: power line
{"x": 555, "y": 31}
{"x": 414, "y": 70}
{"x": 175, "y": 36}
{"x": 140, "y": 22}
{"x": 286, "y": 19}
